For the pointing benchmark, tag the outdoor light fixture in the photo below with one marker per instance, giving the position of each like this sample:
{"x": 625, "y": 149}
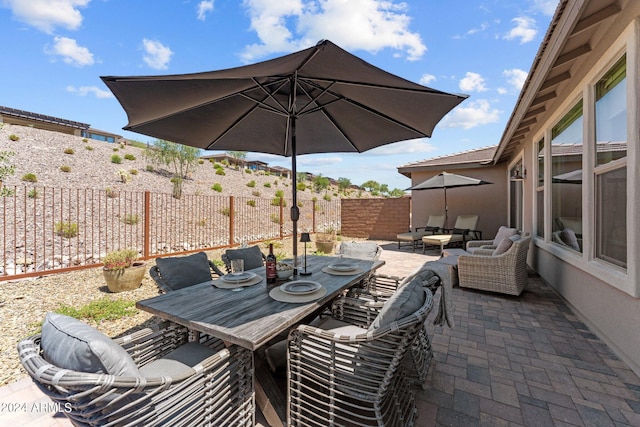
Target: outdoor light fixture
{"x": 517, "y": 176}
{"x": 305, "y": 238}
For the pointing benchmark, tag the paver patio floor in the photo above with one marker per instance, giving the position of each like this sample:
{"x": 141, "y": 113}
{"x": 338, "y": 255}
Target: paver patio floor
{"x": 509, "y": 361}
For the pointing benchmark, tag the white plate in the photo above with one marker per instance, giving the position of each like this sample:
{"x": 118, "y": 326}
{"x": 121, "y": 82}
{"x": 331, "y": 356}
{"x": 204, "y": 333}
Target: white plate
{"x": 245, "y": 276}
{"x": 300, "y": 287}
{"x": 343, "y": 266}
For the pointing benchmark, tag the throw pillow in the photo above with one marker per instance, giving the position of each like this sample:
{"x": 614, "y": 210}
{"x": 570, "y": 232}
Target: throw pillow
{"x": 252, "y": 256}
{"x": 504, "y": 233}
{"x": 71, "y": 344}
{"x": 503, "y": 246}
{"x": 405, "y": 301}
{"x": 180, "y": 272}
{"x": 569, "y": 238}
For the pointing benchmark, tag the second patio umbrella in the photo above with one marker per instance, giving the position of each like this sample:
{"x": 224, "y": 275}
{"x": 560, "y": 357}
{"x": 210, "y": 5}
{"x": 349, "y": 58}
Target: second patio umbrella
{"x": 321, "y": 99}
{"x": 446, "y": 180}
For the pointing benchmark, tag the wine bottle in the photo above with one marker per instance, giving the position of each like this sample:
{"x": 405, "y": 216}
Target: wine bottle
{"x": 272, "y": 274}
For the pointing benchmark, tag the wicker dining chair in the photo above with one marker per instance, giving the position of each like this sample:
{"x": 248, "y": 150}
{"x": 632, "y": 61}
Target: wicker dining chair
{"x": 173, "y": 273}
{"x": 179, "y": 383}
{"x": 352, "y": 375}
{"x": 252, "y": 256}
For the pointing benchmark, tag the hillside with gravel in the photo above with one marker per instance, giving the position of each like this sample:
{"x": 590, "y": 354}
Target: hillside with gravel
{"x": 59, "y": 160}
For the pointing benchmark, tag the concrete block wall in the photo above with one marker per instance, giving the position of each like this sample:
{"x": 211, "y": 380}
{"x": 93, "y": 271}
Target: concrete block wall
{"x": 375, "y": 218}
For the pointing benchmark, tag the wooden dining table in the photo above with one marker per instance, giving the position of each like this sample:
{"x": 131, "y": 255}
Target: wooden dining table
{"x": 249, "y": 317}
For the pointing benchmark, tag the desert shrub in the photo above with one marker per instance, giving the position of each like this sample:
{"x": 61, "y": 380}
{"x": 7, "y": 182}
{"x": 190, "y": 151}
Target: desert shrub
{"x": 276, "y": 201}
{"x": 225, "y": 211}
{"x": 116, "y": 149}
{"x": 256, "y": 193}
{"x": 201, "y": 222}
{"x": 66, "y": 229}
{"x": 267, "y": 184}
{"x": 149, "y": 168}
{"x": 14, "y": 137}
{"x": 101, "y": 309}
{"x": 85, "y": 140}
{"x": 112, "y": 194}
{"x": 220, "y": 172}
{"x": 326, "y": 197}
{"x": 33, "y": 194}
{"x": 275, "y": 218}
{"x": 300, "y": 204}
{"x": 29, "y": 177}
{"x": 249, "y": 171}
{"x": 88, "y": 147}
{"x": 200, "y": 161}
{"x": 131, "y": 219}
{"x": 129, "y": 156}
{"x": 301, "y": 186}
{"x": 116, "y": 159}
{"x": 279, "y": 193}
{"x": 251, "y": 203}
{"x": 217, "y": 187}
{"x": 133, "y": 171}
{"x": 123, "y": 175}
{"x": 69, "y": 151}
{"x": 251, "y": 184}
{"x": 65, "y": 168}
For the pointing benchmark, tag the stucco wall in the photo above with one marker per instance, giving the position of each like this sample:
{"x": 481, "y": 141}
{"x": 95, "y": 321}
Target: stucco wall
{"x": 375, "y": 218}
{"x": 489, "y": 202}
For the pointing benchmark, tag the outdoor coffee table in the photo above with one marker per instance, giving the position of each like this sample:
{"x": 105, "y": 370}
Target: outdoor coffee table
{"x": 251, "y": 318}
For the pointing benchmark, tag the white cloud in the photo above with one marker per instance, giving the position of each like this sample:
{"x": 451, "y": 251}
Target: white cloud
{"x": 204, "y": 7}
{"x": 547, "y": 7}
{"x": 70, "y": 52}
{"x": 156, "y": 55}
{"x": 515, "y": 77}
{"x": 479, "y": 29}
{"x": 426, "y": 79}
{"x": 370, "y": 25}
{"x": 86, "y": 90}
{"x": 421, "y": 145}
{"x": 472, "y": 82}
{"x": 524, "y": 30}
{"x": 468, "y": 116}
{"x": 46, "y": 15}
{"x": 318, "y": 161}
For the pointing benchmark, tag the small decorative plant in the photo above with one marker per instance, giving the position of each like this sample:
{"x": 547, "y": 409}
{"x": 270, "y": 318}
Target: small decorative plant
{"x": 120, "y": 259}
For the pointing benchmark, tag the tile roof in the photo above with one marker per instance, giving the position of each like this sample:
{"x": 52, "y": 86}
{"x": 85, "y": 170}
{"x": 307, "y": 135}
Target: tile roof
{"x": 475, "y": 157}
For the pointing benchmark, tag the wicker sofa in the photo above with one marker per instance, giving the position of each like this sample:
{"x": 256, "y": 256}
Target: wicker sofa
{"x": 504, "y": 273}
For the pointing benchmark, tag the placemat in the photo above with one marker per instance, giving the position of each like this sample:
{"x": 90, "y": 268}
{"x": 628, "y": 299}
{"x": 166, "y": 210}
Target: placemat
{"x": 219, "y": 283}
{"x": 278, "y": 295}
{"x": 341, "y": 273}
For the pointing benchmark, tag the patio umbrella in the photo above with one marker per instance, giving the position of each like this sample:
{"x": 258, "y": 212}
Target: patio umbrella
{"x": 446, "y": 180}
{"x": 321, "y": 99}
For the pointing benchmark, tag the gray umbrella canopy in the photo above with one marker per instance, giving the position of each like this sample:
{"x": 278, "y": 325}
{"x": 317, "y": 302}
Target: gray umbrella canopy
{"x": 321, "y": 99}
{"x": 446, "y": 180}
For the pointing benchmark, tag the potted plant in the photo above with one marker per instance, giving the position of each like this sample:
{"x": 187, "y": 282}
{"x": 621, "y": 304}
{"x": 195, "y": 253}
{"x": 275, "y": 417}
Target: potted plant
{"x": 325, "y": 241}
{"x": 121, "y": 270}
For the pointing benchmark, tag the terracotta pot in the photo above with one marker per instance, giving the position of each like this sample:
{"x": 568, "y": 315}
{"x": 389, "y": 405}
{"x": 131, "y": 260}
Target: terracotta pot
{"x": 324, "y": 247}
{"x": 126, "y": 279}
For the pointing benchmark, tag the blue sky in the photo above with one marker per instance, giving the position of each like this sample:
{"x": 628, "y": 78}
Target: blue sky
{"x": 54, "y": 52}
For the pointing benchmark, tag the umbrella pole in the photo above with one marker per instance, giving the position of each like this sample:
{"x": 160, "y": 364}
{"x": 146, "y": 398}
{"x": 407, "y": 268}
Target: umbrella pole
{"x": 295, "y": 212}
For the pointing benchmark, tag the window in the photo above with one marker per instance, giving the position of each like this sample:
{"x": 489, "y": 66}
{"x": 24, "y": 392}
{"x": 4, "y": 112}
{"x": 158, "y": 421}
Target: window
{"x": 566, "y": 184}
{"x": 610, "y": 168}
{"x": 540, "y": 190}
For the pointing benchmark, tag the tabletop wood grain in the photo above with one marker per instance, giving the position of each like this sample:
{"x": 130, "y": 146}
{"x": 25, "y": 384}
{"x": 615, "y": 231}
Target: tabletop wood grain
{"x": 249, "y": 318}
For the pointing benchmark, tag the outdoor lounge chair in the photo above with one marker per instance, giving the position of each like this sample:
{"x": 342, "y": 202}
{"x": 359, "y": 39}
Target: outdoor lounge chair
{"x": 252, "y": 256}
{"x": 490, "y": 270}
{"x": 173, "y": 273}
{"x": 353, "y": 374}
{"x": 464, "y": 229}
{"x": 434, "y": 225}
{"x": 153, "y": 377}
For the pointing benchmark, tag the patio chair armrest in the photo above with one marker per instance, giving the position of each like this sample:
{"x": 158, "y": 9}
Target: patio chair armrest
{"x": 215, "y": 268}
{"x": 357, "y": 311}
{"x": 478, "y": 243}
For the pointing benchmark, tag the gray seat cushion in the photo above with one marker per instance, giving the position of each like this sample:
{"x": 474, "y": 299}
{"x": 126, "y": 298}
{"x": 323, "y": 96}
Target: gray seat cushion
{"x": 180, "y": 272}
{"x": 252, "y": 256}
{"x": 179, "y": 362}
{"x": 404, "y": 302}
{"x": 367, "y": 251}
{"x": 71, "y": 344}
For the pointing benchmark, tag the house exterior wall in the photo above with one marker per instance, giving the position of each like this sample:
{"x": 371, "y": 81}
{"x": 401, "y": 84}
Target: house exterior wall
{"x": 603, "y": 295}
{"x": 489, "y": 202}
